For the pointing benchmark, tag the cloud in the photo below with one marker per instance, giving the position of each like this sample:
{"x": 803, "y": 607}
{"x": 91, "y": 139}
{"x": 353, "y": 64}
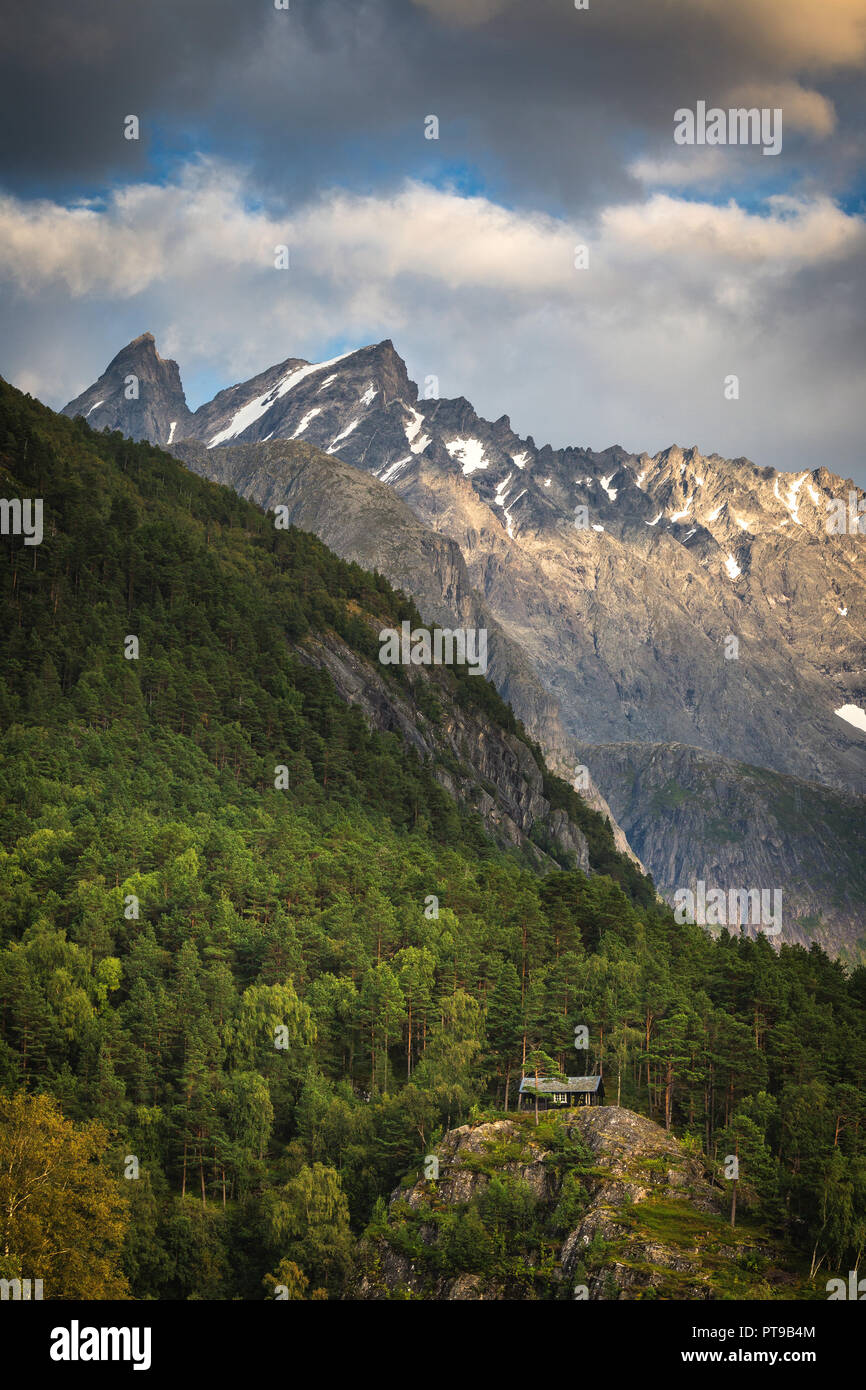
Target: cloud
{"x": 794, "y": 232}
{"x": 794, "y": 34}
{"x": 541, "y": 104}
{"x": 688, "y": 166}
{"x": 803, "y": 109}
{"x": 468, "y": 12}
{"x": 787, "y": 34}
{"x": 204, "y": 225}
{"x": 634, "y": 350}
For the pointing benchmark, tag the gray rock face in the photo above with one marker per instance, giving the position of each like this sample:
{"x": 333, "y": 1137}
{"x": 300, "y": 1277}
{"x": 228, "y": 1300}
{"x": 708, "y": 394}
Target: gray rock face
{"x": 139, "y": 393}
{"x": 640, "y": 1162}
{"x": 460, "y": 1181}
{"x": 651, "y": 1223}
{"x": 746, "y": 827}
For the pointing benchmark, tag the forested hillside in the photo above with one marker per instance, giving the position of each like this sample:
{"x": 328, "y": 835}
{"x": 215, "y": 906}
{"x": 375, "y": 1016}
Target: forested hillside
{"x": 255, "y": 959}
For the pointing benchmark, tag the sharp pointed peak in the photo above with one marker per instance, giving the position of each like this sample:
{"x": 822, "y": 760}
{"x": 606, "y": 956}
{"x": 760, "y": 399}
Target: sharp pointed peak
{"x": 385, "y": 348}
{"x": 144, "y": 340}
{"x": 142, "y": 346}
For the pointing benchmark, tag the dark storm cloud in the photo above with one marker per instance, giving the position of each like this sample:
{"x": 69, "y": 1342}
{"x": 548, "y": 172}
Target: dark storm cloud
{"x": 70, "y": 73}
{"x": 540, "y": 104}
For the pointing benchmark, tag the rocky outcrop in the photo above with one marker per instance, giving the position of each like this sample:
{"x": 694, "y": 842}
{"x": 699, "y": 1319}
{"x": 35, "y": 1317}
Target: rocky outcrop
{"x": 639, "y": 1163}
{"x": 632, "y": 1214}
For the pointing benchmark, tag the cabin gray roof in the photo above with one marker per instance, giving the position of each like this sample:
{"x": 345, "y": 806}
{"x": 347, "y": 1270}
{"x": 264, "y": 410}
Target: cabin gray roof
{"x": 575, "y": 1085}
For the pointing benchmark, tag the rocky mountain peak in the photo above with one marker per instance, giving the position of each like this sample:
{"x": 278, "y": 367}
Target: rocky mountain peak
{"x": 389, "y": 369}
{"x": 139, "y": 393}
{"x": 145, "y": 343}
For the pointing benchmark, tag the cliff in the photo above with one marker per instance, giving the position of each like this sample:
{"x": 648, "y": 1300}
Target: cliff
{"x": 596, "y": 1204}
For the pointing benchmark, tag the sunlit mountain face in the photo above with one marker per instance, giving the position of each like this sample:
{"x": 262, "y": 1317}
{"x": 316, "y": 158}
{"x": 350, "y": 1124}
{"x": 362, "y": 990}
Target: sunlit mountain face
{"x": 677, "y": 606}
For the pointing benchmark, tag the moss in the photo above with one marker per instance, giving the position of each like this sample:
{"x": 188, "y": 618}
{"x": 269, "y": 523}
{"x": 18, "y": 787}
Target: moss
{"x": 716, "y": 828}
{"x": 497, "y": 1154}
{"x": 707, "y": 1240}
{"x": 670, "y": 796}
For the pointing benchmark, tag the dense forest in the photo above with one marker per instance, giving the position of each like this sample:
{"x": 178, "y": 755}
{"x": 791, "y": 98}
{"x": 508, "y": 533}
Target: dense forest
{"x": 237, "y": 1005}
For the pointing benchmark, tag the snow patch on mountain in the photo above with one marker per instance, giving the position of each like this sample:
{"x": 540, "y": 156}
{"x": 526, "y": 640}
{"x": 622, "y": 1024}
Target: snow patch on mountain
{"x": 509, "y": 524}
{"x": 733, "y": 568}
{"x": 310, "y": 415}
{"x": 394, "y": 468}
{"x": 853, "y": 714}
{"x": 468, "y": 452}
{"x": 255, "y": 409}
{"x": 416, "y": 444}
{"x": 791, "y": 500}
{"x": 344, "y": 434}
{"x": 502, "y": 491}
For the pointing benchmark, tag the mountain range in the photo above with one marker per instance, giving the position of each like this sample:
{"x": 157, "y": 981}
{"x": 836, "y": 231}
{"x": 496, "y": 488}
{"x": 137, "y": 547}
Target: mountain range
{"x": 284, "y": 924}
{"x": 683, "y": 634}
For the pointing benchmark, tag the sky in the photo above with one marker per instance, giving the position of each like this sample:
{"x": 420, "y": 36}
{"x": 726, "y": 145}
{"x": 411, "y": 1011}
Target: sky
{"x": 308, "y": 127}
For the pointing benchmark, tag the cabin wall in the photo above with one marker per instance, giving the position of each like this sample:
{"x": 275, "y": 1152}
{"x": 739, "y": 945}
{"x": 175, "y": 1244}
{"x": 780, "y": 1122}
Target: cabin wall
{"x": 546, "y": 1103}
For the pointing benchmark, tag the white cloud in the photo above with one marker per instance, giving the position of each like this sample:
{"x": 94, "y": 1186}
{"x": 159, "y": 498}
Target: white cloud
{"x": 633, "y": 350}
{"x": 204, "y": 224}
{"x": 793, "y": 232}
{"x": 802, "y": 108}
{"x": 687, "y": 166}
{"x": 148, "y": 231}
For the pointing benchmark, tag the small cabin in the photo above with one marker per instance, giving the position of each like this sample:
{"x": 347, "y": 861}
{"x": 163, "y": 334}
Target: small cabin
{"x": 556, "y": 1094}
